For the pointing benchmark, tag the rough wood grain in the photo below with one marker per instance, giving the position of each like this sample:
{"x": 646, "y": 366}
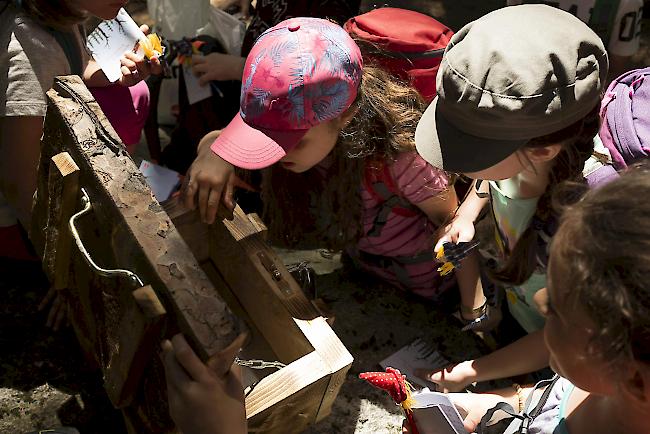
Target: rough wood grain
{"x": 142, "y": 326}
{"x": 142, "y": 234}
{"x": 307, "y": 387}
{"x": 68, "y": 171}
{"x": 127, "y": 228}
{"x": 288, "y": 400}
{"x": 235, "y": 250}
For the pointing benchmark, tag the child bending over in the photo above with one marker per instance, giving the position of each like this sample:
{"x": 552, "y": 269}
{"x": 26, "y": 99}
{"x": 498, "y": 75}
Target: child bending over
{"x": 344, "y": 150}
{"x": 521, "y": 116}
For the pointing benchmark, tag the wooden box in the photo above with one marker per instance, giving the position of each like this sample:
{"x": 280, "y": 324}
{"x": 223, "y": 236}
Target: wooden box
{"x": 214, "y": 284}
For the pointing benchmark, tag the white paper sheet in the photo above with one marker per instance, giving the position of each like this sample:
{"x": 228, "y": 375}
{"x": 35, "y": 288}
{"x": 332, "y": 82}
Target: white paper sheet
{"x": 110, "y": 40}
{"x": 434, "y": 413}
{"x": 195, "y": 92}
{"x": 162, "y": 181}
{"x": 417, "y": 355}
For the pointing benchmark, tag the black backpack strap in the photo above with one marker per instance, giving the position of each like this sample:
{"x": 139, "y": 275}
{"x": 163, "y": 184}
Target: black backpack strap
{"x": 390, "y": 201}
{"x": 484, "y": 428}
{"x": 69, "y": 44}
{"x": 526, "y": 417}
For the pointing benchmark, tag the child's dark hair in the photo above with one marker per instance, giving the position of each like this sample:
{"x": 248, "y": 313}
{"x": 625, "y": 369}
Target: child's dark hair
{"x": 603, "y": 247}
{"x": 384, "y": 125}
{"x": 58, "y": 14}
{"x": 577, "y": 146}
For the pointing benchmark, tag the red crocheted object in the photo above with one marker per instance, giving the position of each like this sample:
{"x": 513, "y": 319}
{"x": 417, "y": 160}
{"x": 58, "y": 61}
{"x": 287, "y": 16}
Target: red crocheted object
{"x": 394, "y": 382}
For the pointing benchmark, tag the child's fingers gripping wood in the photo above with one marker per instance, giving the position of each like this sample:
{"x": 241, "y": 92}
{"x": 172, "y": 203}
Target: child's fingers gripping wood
{"x": 206, "y": 180}
{"x": 200, "y": 398}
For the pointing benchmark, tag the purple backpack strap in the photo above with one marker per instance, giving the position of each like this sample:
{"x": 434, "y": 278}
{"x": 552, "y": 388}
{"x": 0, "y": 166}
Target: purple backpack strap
{"x": 601, "y": 176}
{"x": 625, "y": 118}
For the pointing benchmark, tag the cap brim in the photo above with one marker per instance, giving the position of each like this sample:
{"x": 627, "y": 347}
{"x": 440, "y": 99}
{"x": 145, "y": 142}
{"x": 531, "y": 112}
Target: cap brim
{"x": 446, "y": 147}
{"x": 251, "y": 148}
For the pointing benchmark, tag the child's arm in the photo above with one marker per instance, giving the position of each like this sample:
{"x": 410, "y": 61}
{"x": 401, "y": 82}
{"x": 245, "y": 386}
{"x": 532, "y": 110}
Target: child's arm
{"x": 461, "y": 229}
{"x": 526, "y": 355}
{"x": 21, "y": 136}
{"x": 441, "y": 207}
{"x": 201, "y": 401}
{"x": 462, "y": 226}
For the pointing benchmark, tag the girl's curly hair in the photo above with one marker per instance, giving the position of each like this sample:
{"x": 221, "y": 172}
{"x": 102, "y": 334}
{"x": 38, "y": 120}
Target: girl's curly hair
{"x": 388, "y": 111}
{"x": 603, "y": 249}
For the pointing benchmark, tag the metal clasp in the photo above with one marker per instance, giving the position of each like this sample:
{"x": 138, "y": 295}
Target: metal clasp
{"x": 85, "y": 200}
{"x": 259, "y": 364}
{"x": 270, "y": 266}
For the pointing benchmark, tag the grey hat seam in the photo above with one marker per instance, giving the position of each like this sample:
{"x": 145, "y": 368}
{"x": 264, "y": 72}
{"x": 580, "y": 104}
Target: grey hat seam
{"x": 553, "y": 90}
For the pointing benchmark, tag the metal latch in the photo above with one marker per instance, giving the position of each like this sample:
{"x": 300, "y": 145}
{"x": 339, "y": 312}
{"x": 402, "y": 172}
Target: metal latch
{"x": 270, "y": 266}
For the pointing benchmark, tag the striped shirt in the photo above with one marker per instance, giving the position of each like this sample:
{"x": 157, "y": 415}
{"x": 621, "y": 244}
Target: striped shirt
{"x": 405, "y": 236}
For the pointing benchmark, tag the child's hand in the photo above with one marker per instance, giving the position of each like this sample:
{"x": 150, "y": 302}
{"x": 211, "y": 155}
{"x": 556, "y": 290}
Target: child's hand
{"x": 212, "y": 179}
{"x": 461, "y": 229}
{"x": 136, "y": 68}
{"x": 201, "y": 400}
{"x": 451, "y": 379}
{"x": 474, "y": 405}
{"x": 217, "y": 66}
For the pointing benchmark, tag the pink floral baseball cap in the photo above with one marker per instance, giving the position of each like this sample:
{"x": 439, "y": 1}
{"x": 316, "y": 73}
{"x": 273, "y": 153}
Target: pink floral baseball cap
{"x": 300, "y": 73}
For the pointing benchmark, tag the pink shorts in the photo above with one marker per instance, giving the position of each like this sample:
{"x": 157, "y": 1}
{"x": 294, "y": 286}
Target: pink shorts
{"x": 126, "y": 108}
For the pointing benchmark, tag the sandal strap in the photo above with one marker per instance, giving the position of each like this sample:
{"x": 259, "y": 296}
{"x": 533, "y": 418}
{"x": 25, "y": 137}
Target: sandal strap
{"x": 473, "y": 324}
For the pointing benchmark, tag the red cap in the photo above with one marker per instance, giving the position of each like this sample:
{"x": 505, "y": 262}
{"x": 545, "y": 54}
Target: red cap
{"x": 300, "y": 73}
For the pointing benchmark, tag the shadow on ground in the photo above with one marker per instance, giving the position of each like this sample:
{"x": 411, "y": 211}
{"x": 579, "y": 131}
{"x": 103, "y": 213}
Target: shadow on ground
{"x": 44, "y": 379}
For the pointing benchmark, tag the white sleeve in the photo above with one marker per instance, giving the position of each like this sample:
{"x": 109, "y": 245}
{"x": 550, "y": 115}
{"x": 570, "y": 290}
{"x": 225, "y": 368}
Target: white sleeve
{"x": 626, "y": 32}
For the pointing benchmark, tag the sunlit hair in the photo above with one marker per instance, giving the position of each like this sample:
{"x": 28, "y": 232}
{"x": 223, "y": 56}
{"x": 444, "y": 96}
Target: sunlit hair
{"x": 58, "y": 14}
{"x": 384, "y": 125}
{"x": 602, "y": 249}
{"x": 577, "y": 146}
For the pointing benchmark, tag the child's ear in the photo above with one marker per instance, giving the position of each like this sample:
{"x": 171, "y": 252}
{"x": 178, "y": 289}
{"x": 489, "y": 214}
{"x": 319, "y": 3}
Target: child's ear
{"x": 543, "y": 153}
{"x": 347, "y": 115}
{"x": 636, "y": 385}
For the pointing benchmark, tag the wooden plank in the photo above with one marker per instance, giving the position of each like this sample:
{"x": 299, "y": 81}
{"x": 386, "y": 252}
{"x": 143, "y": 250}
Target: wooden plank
{"x": 190, "y": 227}
{"x": 333, "y": 353}
{"x": 306, "y": 387}
{"x": 259, "y": 225}
{"x": 69, "y": 173}
{"x": 141, "y": 326}
{"x": 142, "y": 234}
{"x": 61, "y": 181}
{"x": 244, "y": 261}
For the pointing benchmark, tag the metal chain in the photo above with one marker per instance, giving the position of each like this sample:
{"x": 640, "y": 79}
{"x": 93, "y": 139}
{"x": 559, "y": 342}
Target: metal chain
{"x": 259, "y": 364}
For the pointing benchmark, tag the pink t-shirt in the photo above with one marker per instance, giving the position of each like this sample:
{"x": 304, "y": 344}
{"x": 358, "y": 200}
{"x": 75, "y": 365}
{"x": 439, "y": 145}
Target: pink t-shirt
{"x": 405, "y": 236}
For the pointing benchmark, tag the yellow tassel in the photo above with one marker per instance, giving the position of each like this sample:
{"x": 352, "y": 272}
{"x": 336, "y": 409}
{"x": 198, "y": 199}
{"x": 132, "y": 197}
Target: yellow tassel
{"x": 409, "y": 402}
{"x": 446, "y": 268}
{"x": 152, "y": 46}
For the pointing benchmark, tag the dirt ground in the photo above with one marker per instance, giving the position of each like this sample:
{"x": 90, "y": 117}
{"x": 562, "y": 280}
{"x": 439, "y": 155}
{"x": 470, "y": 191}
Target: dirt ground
{"x": 44, "y": 381}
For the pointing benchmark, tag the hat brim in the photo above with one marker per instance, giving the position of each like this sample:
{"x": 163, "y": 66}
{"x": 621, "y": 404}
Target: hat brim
{"x": 446, "y": 147}
{"x": 254, "y": 148}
